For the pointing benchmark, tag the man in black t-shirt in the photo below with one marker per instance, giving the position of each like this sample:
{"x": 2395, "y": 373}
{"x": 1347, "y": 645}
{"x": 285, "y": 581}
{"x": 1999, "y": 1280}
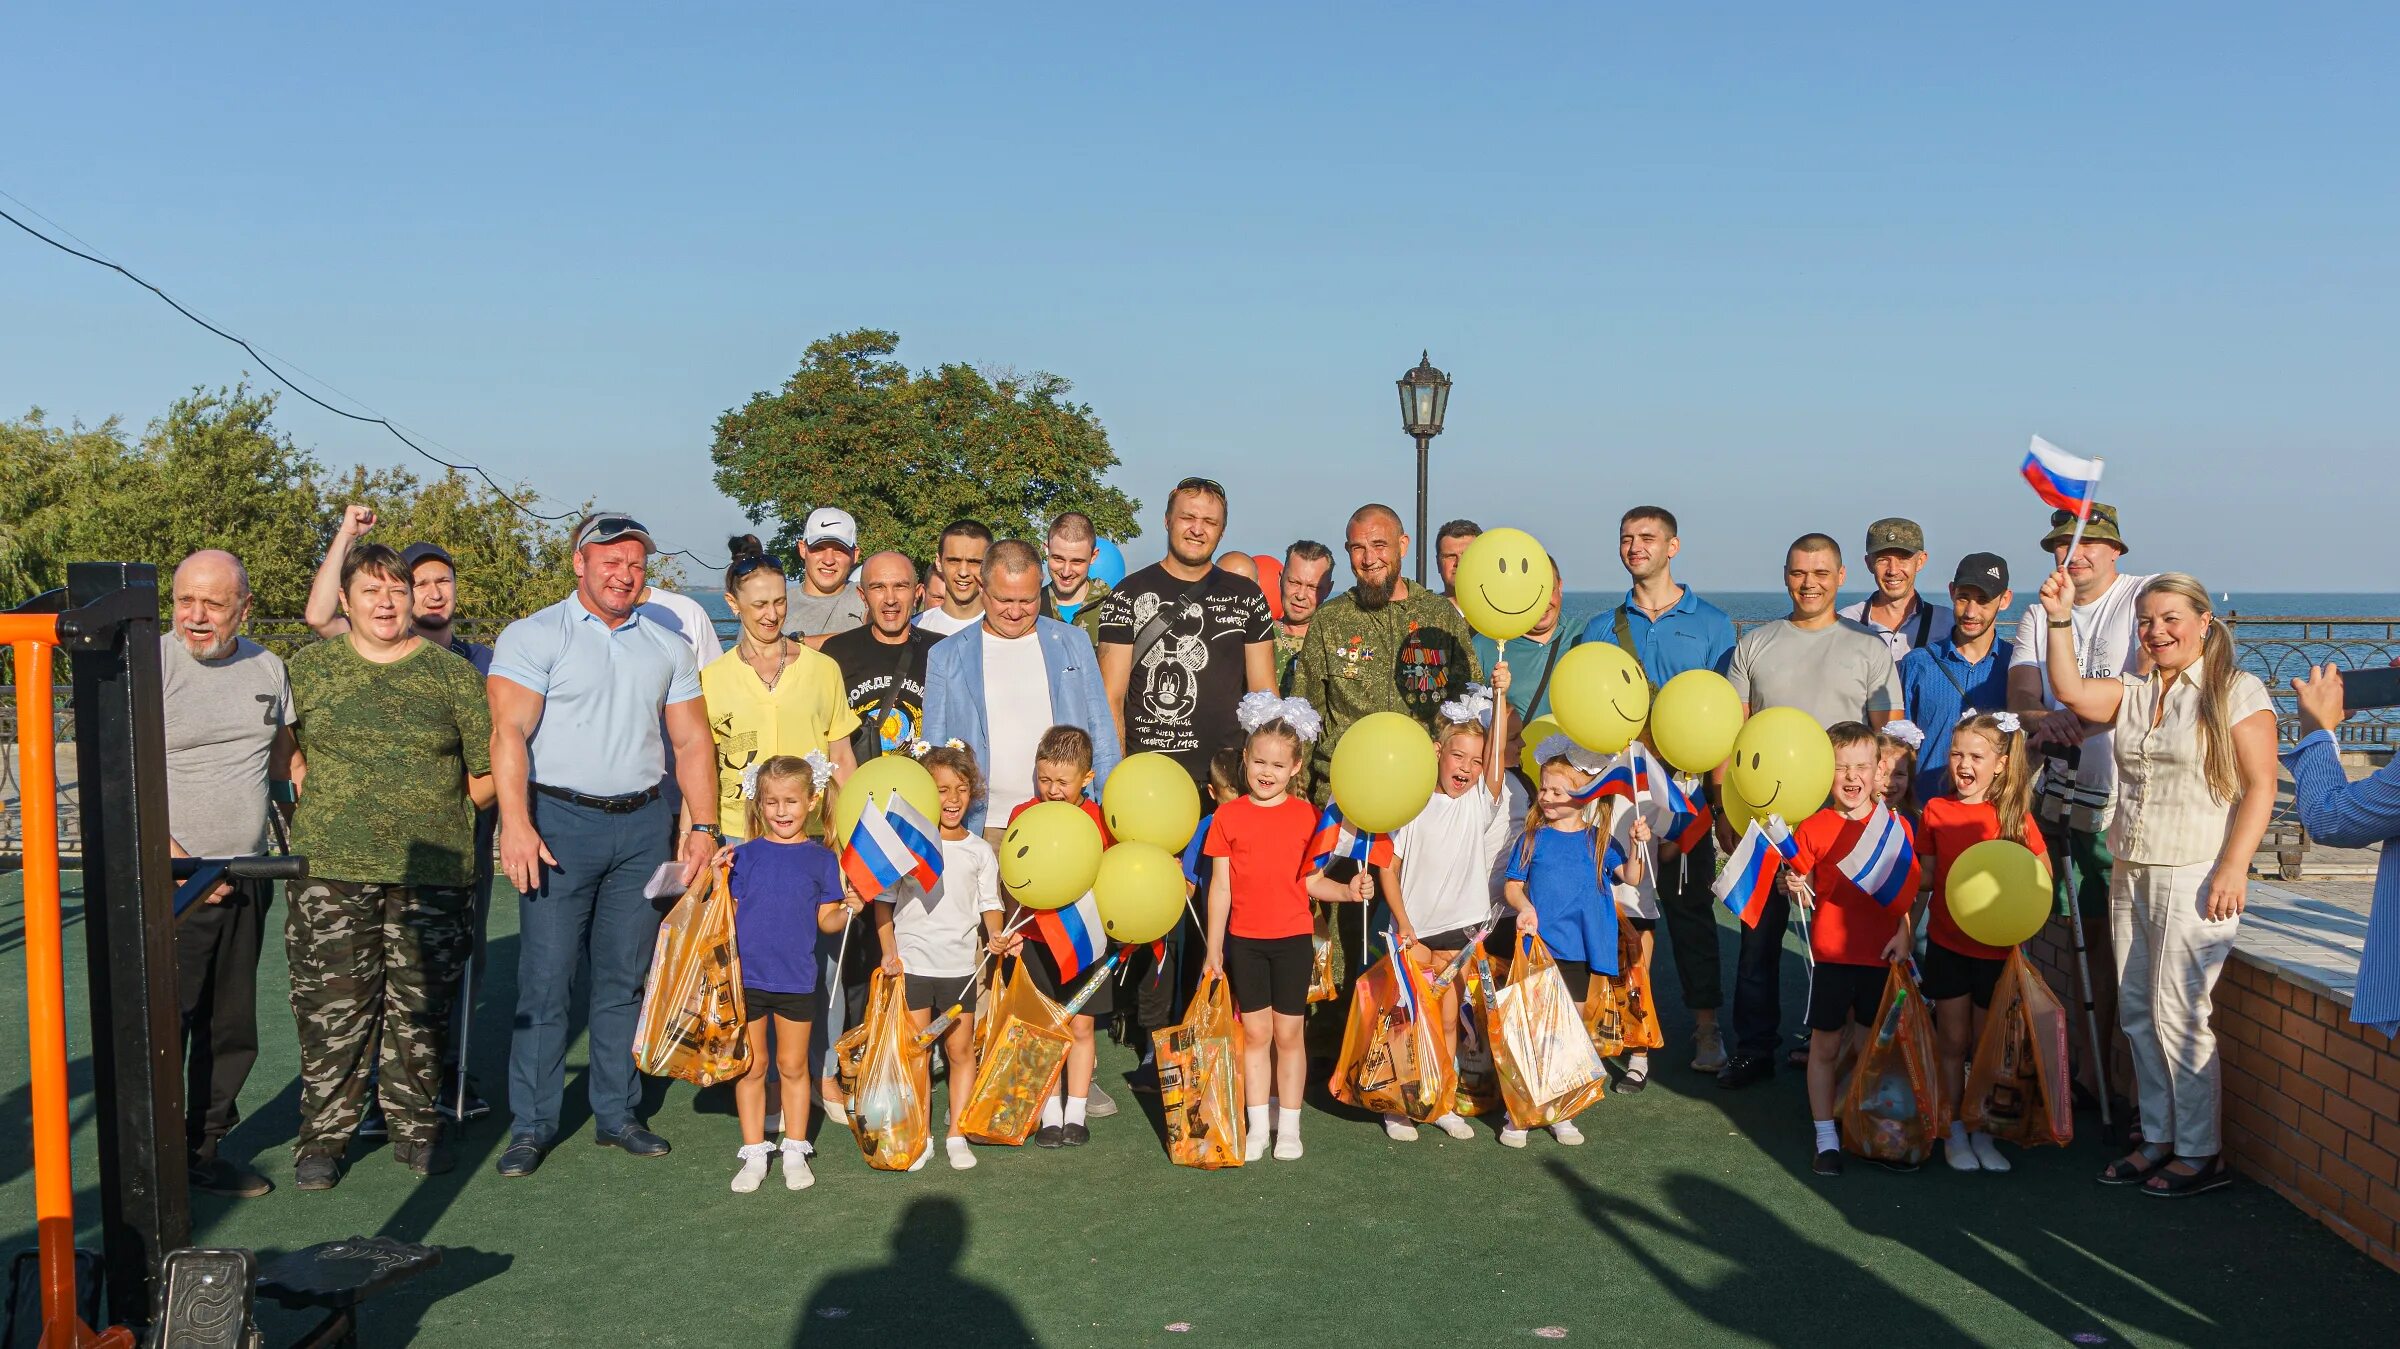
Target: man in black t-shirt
{"x": 1182, "y": 641}
{"x": 886, "y": 650}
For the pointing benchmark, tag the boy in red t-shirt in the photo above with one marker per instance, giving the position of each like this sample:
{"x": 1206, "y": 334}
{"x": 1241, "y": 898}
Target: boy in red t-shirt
{"x": 1852, "y": 938}
{"x": 1062, "y": 771}
{"x": 1259, "y": 923}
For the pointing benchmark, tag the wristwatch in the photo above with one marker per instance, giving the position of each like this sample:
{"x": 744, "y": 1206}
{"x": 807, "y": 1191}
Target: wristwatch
{"x": 711, "y": 830}
{"x": 2062, "y": 622}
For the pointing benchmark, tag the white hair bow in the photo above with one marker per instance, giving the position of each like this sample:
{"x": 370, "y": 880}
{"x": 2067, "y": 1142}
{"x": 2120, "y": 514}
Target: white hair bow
{"x": 1475, "y": 706}
{"x": 1257, "y": 709}
{"x": 2007, "y": 721}
{"x": 820, "y": 770}
{"x": 750, "y": 780}
{"x": 1564, "y": 747}
{"x": 1906, "y": 732}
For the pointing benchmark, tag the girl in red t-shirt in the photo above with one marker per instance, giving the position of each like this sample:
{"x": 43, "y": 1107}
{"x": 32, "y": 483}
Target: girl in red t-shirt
{"x": 1991, "y": 797}
{"x": 1259, "y": 923}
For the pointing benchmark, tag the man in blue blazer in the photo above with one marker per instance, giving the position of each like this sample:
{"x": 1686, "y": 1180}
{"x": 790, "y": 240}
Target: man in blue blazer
{"x": 995, "y": 687}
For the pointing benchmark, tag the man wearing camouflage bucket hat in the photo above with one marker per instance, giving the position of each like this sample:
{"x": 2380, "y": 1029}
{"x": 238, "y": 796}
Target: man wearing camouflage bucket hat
{"x": 1905, "y": 620}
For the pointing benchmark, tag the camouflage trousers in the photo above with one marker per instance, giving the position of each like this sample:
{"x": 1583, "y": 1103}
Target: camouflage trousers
{"x": 373, "y": 971}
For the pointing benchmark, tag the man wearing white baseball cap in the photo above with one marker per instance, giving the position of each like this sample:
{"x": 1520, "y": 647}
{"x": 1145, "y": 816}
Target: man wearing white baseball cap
{"x": 819, "y": 600}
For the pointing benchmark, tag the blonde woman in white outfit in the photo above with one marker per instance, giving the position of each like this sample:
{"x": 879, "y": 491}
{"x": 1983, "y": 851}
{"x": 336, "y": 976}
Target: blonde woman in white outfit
{"x": 2195, "y": 757}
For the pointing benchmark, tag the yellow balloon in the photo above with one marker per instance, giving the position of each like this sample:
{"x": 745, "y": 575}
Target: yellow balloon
{"x": 1693, "y": 720}
{"x": 879, "y": 778}
{"x": 1139, "y": 891}
{"x": 1150, "y": 799}
{"x": 1503, "y": 583}
{"x": 1999, "y": 892}
{"x": 1049, "y": 855}
{"x": 1600, "y": 695}
{"x": 1383, "y": 771}
{"x": 1782, "y": 765}
{"x": 1541, "y": 729}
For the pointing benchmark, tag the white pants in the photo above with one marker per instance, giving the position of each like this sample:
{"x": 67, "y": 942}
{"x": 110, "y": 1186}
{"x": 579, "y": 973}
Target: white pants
{"x": 2168, "y": 957}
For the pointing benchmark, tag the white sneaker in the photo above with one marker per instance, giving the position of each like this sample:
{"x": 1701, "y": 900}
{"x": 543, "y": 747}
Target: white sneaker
{"x": 1566, "y": 1133}
{"x": 919, "y": 1163}
{"x": 1398, "y": 1129}
{"x": 754, "y": 1166}
{"x": 1099, "y": 1105}
{"x": 1709, "y": 1054}
{"x": 1254, "y": 1146}
{"x": 796, "y": 1175}
{"x": 1512, "y": 1138}
{"x": 962, "y": 1155}
{"x": 1287, "y": 1147}
{"x": 1961, "y": 1158}
{"x": 834, "y": 1113}
{"x": 1987, "y": 1152}
{"x": 1455, "y": 1125}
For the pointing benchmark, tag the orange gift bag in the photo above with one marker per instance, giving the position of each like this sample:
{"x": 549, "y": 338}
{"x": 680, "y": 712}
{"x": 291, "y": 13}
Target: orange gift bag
{"x": 1200, "y": 1080}
{"x": 1392, "y": 1060}
{"x": 1604, "y": 1016}
{"x": 1324, "y": 983}
{"x": 1023, "y": 1050}
{"x": 891, "y": 1107}
{"x": 2018, "y": 1090}
{"x": 691, "y": 1024}
{"x": 1889, "y": 1109}
{"x": 1635, "y": 1007}
{"x": 1548, "y": 1068}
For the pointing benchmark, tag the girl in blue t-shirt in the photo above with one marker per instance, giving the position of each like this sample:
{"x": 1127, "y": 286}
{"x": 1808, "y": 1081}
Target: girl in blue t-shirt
{"x": 786, "y": 889}
{"x": 1559, "y": 882}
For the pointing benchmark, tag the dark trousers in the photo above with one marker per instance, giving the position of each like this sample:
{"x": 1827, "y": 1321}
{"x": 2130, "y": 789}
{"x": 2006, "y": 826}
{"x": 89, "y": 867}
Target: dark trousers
{"x": 589, "y": 906}
{"x": 1758, "y": 982}
{"x": 1689, "y": 906}
{"x": 216, "y": 985}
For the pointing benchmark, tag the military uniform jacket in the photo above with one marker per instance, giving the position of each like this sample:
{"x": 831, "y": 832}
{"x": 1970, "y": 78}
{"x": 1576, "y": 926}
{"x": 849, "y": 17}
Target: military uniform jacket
{"x": 1407, "y": 657}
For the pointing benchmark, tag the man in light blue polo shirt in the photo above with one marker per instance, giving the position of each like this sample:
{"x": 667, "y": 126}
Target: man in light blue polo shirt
{"x": 586, "y": 695}
{"x": 1670, "y": 630}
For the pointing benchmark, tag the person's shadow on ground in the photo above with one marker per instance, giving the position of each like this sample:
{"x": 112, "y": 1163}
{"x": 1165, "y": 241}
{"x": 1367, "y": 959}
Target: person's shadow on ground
{"x": 917, "y": 1295}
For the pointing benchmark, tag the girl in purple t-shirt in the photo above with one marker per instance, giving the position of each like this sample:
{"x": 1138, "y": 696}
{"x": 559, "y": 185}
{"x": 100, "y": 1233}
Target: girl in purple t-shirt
{"x": 786, "y": 889}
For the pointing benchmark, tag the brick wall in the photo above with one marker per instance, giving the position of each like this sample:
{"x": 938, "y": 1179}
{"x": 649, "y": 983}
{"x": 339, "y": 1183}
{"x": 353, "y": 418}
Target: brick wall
{"x": 2312, "y": 1101}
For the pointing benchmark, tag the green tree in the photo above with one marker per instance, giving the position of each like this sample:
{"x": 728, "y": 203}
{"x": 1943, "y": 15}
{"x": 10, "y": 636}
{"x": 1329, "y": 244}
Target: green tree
{"x": 908, "y": 453}
{"x": 45, "y": 472}
{"x": 509, "y": 564}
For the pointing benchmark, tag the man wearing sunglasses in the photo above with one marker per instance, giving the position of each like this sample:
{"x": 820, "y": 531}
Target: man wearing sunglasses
{"x": 587, "y": 696}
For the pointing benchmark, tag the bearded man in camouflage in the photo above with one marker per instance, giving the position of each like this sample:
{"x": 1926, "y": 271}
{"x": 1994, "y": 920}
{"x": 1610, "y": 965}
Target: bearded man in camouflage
{"x": 394, "y": 759}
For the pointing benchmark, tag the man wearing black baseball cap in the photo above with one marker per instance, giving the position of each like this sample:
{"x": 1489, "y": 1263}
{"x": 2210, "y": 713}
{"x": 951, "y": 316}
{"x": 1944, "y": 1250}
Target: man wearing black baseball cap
{"x": 1966, "y": 671}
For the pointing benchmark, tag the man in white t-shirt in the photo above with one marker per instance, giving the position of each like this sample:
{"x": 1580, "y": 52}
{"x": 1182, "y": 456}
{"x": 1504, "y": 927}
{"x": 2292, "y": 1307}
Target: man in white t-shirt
{"x": 2078, "y": 781}
{"x": 1904, "y": 619}
{"x": 958, "y": 562}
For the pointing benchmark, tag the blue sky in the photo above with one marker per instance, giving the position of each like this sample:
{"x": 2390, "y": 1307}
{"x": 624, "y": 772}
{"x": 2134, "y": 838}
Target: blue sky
{"x": 1778, "y": 267}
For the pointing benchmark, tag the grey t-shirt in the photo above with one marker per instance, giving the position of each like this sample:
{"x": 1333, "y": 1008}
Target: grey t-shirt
{"x": 222, "y": 716}
{"x": 806, "y": 615}
{"x": 1837, "y": 673}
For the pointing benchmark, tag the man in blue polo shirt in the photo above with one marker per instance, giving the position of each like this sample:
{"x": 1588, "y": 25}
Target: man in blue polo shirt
{"x": 1670, "y": 630}
{"x": 1964, "y": 672}
{"x": 586, "y": 696}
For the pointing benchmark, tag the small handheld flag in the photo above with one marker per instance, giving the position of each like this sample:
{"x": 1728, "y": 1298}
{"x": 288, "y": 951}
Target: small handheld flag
{"x": 2064, "y": 480}
{"x": 1336, "y": 837}
{"x": 1748, "y": 880}
{"x": 1073, "y": 935}
{"x": 1884, "y": 861}
{"x": 891, "y": 842}
{"x": 1626, "y": 776}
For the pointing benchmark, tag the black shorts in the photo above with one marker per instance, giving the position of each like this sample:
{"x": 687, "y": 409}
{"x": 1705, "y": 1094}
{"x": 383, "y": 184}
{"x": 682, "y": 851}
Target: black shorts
{"x": 1578, "y": 974}
{"x": 1638, "y": 924}
{"x": 758, "y": 1002}
{"x": 1269, "y": 972}
{"x": 935, "y": 994}
{"x": 1449, "y": 941}
{"x": 1102, "y": 1003}
{"x": 1841, "y": 994}
{"x": 1949, "y": 974}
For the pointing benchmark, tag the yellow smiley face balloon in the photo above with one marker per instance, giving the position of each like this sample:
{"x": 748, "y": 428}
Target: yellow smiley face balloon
{"x": 1139, "y": 892}
{"x": 1150, "y": 799}
{"x": 1782, "y": 765}
{"x": 1503, "y": 583}
{"x": 1049, "y": 855}
{"x": 1599, "y": 694}
{"x": 1999, "y": 892}
{"x": 1693, "y": 720}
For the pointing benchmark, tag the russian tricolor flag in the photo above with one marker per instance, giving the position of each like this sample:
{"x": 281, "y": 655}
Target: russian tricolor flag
{"x": 1336, "y": 838}
{"x": 1404, "y": 976}
{"x": 891, "y": 842}
{"x": 2066, "y": 482}
{"x": 1626, "y": 776}
{"x": 1748, "y": 881}
{"x": 1884, "y": 861}
{"x": 1073, "y": 935}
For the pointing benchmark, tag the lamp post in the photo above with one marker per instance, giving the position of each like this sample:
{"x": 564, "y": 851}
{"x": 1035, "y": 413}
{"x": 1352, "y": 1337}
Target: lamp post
{"x": 1424, "y": 397}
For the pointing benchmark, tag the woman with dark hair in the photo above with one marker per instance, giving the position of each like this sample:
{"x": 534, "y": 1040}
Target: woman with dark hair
{"x": 770, "y": 694}
{"x": 2195, "y": 755}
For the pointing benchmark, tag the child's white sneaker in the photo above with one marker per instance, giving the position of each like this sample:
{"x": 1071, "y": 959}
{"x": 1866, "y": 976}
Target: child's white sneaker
{"x": 796, "y": 1175}
{"x": 754, "y": 1166}
{"x": 834, "y": 1113}
{"x": 1512, "y": 1137}
{"x": 1398, "y": 1129}
{"x": 1959, "y": 1151}
{"x": 1566, "y": 1133}
{"x": 1987, "y": 1152}
{"x": 962, "y": 1156}
{"x": 1287, "y": 1147}
{"x": 1254, "y": 1144}
{"x": 1455, "y": 1125}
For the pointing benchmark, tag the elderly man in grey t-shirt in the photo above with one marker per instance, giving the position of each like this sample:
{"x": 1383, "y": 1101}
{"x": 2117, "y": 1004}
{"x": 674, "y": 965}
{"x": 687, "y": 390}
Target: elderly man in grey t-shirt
{"x": 228, "y": 722}
{"x": 1835, "y": 670}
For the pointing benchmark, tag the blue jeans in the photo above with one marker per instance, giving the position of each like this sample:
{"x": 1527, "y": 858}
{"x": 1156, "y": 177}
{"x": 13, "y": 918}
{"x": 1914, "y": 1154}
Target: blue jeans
{"x": 589, "y": 906}
{"x": 1758, "y": 982}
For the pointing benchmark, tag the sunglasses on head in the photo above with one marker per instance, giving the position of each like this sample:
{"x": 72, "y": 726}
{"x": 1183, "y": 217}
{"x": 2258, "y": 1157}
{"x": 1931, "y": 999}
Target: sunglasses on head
{"x": 745, "y": 565}
{"x": 609, "y": 529}
{"x": 1209, "y": 485}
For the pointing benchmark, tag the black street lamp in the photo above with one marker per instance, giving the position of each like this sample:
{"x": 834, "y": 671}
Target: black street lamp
{"x": 1424, "y": 397}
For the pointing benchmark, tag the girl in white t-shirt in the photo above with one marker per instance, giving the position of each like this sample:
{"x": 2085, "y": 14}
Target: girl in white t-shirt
{"x": 935, "y": 938}
{"x": 1441, "y": 878}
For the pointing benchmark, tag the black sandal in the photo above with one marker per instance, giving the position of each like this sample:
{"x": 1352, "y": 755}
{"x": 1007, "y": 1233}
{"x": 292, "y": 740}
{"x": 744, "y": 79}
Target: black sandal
{"x": 2175, "y": 1185}
{"x": 1633, "y": 1079}
{"x": 2131, "y": 1170}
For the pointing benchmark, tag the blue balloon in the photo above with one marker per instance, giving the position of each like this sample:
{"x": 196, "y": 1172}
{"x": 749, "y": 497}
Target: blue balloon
{"x": 1108, "y": 563}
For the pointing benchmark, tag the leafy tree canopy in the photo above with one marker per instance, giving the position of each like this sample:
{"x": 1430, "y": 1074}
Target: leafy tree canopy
{"x": 907, "y": 454}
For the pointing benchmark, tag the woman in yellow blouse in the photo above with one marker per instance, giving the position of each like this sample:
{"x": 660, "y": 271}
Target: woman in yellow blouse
{"x": 769, "y": 694}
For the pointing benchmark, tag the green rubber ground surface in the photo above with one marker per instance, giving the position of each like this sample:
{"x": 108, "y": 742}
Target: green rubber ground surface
{"x": 1689, "y": 1218}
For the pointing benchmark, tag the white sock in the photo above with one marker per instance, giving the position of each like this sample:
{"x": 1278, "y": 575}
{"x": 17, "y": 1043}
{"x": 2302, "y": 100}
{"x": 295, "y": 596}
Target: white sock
{"x": 1257, "y": 1121}
{"x": 1053, "y": 1114}
{"x": 1076, "y": 1108}
{"x": 1639, "y": 1063}
{"x": 1829, "y": 1139}
{"x": 1287, "y": 1121}
{"x": 1958, "y": 1134}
